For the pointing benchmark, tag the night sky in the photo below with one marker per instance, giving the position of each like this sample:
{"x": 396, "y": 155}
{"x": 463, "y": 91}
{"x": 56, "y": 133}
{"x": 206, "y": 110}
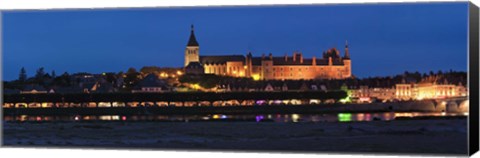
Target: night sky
{"x": 384, "y": 39}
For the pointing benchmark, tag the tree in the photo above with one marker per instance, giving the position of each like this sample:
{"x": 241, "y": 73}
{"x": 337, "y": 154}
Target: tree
{"x": 439, "y": 72}
{"x": 132, "y": 77}
{"x": 120, "y": 74}
{"x": 39, "y": 76}
{"x": 54, "y": 75}
{"x": 23, "y": 75}
{"x": 40, "y": 73}
{"x": 417, "y": 76}
{"x": 150, "y": 69}
{"x": 344, "y": 88}
{"x": 131, "y": 70}
{"x": 65, "y": 79}
{"x": 424, "y": 75}
{"x": 110, "y": 77}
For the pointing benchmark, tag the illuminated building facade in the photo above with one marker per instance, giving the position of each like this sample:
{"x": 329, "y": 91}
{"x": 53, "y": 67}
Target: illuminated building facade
{"x": 330, "y": 66}
{"x": 429, "y": 89}
{"x": 365, "y": 93}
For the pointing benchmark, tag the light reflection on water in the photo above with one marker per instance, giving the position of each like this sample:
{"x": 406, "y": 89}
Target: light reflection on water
{"x": 340, "y": 117}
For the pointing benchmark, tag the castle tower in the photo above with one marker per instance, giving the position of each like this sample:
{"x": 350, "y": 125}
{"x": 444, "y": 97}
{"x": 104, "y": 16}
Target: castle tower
{"x": 192, "y": 50}
{"x": 347, "y": 54}
{"x": 347, "y": 62}
{"x": 248, "y": 64}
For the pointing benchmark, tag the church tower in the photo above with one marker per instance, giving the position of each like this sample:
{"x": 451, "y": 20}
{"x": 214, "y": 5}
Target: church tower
{"x": 192, "y": 50}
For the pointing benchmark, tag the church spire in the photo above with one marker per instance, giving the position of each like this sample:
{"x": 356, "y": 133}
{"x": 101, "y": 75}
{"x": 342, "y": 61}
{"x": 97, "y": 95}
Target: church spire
{"x": 192, "y": 41}
{"x": 347, "y": 54}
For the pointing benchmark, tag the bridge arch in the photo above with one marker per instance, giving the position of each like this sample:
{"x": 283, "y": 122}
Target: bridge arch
{"x": 440, "y": 106}
{"x": 464, "y": 106}
{"x": 452, "y": 107}
{"x": 426, "y": 105}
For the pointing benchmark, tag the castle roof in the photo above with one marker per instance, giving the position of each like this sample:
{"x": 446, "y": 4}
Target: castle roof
{"x": 221, "y": 59}
{"x": 289, "y": 61}
{"x": 276, "y": 60}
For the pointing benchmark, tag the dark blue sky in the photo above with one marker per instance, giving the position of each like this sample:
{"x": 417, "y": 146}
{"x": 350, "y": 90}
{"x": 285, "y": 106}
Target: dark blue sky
{"x": 384, "y": 39}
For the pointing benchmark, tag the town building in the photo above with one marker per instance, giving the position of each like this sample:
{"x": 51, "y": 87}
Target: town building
{"x": 151, "y": 84}
{"x": 432, "y": 87}
{"x": 272, "y": 86}
{"x": 33, "y": 89}
{"x": 331, "y": 65}
{"x": 368, "y": 94}
{"x": 429, "y": 88}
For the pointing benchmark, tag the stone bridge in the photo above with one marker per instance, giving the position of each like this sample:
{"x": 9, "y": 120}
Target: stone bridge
{"x": 449, "y": 105}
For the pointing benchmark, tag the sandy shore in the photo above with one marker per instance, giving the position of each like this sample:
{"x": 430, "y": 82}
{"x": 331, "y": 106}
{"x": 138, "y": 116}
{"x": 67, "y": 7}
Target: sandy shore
{"x": 401, "y": 136}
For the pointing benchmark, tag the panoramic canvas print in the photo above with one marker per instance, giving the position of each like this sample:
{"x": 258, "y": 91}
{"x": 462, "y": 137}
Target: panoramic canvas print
{"x": 370, "y": 78}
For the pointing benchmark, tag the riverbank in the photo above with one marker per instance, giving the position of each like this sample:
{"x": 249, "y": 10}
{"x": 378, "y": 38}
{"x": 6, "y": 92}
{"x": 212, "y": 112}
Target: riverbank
{"x": 410, "y": 106}
{"x": 431, "y": 136}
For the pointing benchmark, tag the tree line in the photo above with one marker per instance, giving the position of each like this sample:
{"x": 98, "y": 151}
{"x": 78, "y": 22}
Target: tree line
{"x": 132, "y": 77}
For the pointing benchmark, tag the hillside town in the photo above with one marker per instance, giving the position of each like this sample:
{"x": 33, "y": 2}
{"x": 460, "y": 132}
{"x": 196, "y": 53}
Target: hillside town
{"x": 406, "y": 86}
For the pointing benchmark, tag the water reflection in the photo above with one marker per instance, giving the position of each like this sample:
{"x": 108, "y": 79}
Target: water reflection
{"x": 344, "y": 117}
{"x": 259, "y": 118}
{"x": 340, "y": 117}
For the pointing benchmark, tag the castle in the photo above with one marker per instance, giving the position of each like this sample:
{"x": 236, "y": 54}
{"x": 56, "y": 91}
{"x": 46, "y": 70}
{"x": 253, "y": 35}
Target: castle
{"x": 331, "y": 66}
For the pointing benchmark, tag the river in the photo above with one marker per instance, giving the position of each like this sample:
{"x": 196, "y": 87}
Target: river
{"x": 336, "y": 117}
